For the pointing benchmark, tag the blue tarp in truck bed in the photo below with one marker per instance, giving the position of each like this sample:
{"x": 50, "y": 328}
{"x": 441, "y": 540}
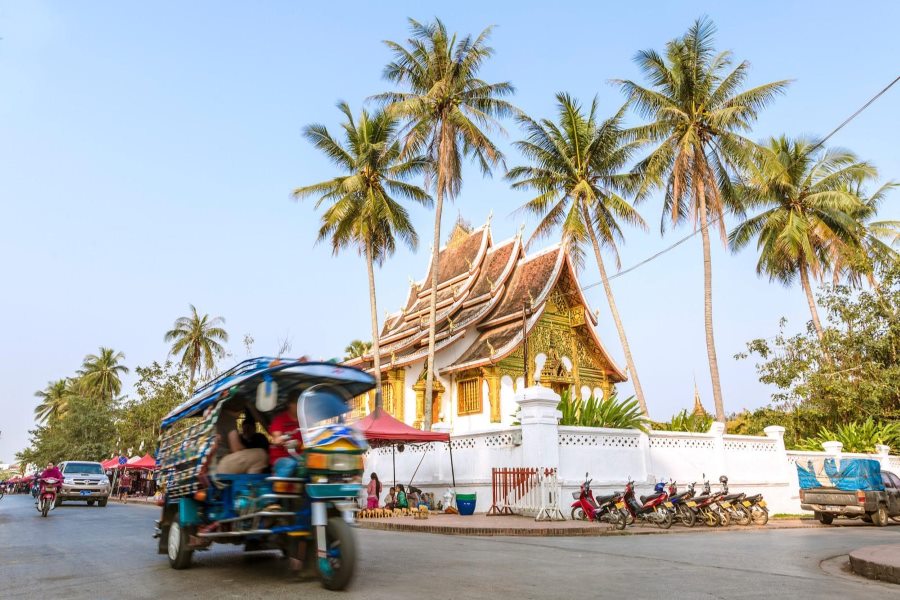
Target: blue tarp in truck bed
{"x": 853, "y": 474}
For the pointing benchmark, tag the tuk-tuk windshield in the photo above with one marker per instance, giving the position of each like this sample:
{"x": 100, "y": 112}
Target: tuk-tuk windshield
{"x": 321, "y": 406}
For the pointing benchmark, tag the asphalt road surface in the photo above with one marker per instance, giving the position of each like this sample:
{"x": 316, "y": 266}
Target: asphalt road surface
{"x": 91, "y": 552}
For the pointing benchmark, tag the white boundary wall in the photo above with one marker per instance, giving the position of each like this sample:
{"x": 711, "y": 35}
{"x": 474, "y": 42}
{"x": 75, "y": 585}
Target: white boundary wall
{"x": 753, "y": 464}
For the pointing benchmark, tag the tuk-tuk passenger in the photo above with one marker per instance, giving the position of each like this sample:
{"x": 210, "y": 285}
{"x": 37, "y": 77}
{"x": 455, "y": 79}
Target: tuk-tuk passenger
{"x": 239, "y": 458}
{"x": 284, "y": 428}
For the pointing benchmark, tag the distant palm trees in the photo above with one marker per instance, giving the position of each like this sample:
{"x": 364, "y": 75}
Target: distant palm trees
{"x": 362, "y": 212}
{"x": 198, "y": 339}
{"x": 450, "y": 112}
{"x": 54, "y": 401}
{"x": 357, "y": 349}
{"x": 101, "y": 374}
{"x": 697, "y": 111}
{"x": 812, "y": 211}
{"x": 577, "y": 170}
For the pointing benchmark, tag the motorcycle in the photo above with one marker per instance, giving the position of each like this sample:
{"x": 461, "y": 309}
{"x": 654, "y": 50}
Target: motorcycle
{"x": 756, "y": 506}
{"x": 708, "y": 509}
{"x": 733, "y": 503}
{"x": 682, "y": 511}
{"x": 650, "y": 508}
{"x": 587, "y": 508}
{"x": 47, "y": 495}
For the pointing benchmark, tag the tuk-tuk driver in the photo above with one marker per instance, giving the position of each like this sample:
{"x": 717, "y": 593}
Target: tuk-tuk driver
{"x": 284, "y": 428}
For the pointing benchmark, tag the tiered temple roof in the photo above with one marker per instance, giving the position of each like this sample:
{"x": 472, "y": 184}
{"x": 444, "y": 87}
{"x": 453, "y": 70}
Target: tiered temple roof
{"x": 487, "y": 288}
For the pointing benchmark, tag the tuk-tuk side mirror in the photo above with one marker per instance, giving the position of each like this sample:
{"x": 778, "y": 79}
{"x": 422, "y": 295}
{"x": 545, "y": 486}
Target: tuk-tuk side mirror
{"x": 266, "y": 395}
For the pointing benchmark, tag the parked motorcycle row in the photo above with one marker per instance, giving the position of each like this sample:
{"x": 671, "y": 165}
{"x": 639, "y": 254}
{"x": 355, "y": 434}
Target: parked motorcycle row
{"x": 666, "y": 506}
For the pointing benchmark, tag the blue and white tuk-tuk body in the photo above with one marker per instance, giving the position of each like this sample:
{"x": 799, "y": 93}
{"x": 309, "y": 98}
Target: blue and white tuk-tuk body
{"x": 309, "y": 497}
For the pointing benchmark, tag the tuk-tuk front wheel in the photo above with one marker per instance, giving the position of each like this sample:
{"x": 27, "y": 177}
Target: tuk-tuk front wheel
{"x": 178, "y": 551}
{"x": 336, "y": 568}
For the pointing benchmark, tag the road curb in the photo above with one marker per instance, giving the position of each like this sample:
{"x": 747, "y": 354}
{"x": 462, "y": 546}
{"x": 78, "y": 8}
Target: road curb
{"x": 880, "y": 562}
{"x": 550, "y": 531}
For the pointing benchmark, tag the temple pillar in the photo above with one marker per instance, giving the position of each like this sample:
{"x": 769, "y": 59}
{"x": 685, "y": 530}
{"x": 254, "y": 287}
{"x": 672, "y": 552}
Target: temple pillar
{"x": 492, "y": 376}
{"x": 437, "y": 394}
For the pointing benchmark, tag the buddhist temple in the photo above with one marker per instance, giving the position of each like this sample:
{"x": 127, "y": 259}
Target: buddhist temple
{"x": 504, "y": 317}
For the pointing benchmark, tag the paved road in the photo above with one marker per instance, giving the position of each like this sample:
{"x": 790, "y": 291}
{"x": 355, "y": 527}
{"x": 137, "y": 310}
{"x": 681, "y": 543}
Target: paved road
{"x": 108, "y": 553}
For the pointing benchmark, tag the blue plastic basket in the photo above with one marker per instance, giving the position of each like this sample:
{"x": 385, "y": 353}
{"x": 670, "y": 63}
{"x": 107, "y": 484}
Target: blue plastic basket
{"x": 465, "y": 503}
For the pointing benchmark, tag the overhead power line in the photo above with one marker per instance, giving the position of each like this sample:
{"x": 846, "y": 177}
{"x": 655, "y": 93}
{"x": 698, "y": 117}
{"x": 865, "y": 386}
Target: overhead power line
{"x": 717, "y": 218}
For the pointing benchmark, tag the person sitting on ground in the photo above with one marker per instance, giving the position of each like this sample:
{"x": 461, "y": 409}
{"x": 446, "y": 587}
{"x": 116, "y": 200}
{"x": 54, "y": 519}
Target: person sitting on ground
{"x": 390, "y": 501}
{"x": 240, "y": 458}
{"x": 373, "y": 491}
{"x": 125, "y": 487}
{"x": 285, "y": 429}
{"x": 402, "y": 501}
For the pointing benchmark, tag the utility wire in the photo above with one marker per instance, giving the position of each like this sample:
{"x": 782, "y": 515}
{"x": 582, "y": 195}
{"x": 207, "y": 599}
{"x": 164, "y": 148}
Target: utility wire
{"x": 717, "y": 218}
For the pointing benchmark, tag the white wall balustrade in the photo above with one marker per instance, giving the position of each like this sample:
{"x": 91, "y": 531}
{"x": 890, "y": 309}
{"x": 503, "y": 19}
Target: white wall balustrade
{"x": 753, "y": 464}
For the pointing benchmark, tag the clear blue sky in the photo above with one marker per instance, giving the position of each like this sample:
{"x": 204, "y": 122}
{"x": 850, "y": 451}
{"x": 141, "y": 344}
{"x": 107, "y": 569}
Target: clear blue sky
{"x": 147, "y": 153}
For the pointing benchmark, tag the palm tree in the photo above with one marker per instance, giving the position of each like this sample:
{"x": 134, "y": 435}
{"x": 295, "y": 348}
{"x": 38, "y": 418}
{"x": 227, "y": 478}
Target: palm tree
{"x": 197, "y": 339}
{"x": 810, "y": 211}
{"x": 54, "y": 401}
{"x": 576, "y": 170}
{"x": 362, "y": 212}
{"x": 101, "y": 373}
{"x": 697, "y": 112}
{"x": 357, "y": 349}
{"x": 450, "y": 111}
{"x": 878, "y": 239}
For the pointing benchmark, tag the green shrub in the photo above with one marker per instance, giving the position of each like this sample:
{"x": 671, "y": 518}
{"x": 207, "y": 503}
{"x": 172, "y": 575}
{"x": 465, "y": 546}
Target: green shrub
{"x": 594, "y": 412}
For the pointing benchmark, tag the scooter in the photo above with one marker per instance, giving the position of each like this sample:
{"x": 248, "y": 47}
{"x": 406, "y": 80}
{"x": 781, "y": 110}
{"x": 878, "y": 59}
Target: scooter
{"x": 682, "y": 511}
{"x": 733, "y": 504}
{"x": 587, "y": 508}
{"x": 708, "y": 509}
{"x": 47, "y": 495}
{"x": 649, "y": 508}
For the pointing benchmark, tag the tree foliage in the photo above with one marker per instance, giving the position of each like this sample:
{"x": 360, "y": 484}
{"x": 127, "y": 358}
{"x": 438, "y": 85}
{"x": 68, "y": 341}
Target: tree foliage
{"x": 604, "y": 412}
{"x": 686, "y": 421}
{"x": 197, "y": 339}
{"x": 159, "y": 389}
{"x": 862, "y": 379}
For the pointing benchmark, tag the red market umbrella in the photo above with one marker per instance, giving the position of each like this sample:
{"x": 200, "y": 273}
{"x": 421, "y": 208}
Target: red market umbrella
{"x": 145, "y": 462}
{"x": 112, "y": 463}
{"x": 381, "y": 429}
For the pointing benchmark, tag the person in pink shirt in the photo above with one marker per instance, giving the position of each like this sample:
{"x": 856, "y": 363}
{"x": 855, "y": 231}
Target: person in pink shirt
{"x": 373, "y": 492}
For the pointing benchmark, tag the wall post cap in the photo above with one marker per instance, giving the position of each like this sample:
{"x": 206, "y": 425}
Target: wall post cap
{"x": 442, "y": 427}
{"x": 832, "y": 447}
{"x": 717, "y": 428}
{"x": 774, "y": 431}
{"x": 882, "y": 450}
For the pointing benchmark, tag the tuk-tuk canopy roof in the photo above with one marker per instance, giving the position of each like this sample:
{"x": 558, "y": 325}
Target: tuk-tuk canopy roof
{"x": 243, "y": 379}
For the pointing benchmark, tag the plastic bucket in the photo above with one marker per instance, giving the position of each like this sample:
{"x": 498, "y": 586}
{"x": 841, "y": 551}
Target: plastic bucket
{"x": 465, "y": 503}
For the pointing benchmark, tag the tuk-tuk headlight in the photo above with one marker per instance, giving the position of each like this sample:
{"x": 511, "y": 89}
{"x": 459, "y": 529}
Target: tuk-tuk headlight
{"x": 345, "y": 462}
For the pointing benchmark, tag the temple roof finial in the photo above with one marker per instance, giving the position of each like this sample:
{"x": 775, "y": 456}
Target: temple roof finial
{"x": 698, "y": 406}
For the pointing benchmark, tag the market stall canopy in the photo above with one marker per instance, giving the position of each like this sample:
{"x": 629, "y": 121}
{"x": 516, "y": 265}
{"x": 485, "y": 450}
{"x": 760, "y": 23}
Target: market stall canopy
{"x": 112, "y": 463}
{"x": 145, "y": 462}
{"x": 381, "y": 429}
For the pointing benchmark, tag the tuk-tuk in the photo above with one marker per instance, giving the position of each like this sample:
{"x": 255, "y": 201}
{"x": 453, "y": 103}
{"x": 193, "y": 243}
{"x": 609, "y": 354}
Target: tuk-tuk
{"x": 303, "y": 506}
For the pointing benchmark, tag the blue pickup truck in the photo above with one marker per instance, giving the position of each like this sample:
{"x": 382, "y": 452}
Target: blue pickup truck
{"x": 854, "y": 488}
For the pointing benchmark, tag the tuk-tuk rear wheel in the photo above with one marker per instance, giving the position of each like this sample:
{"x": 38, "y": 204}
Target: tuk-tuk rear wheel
{"x": 178, "y": 551}
{"x": 336, "y": 570}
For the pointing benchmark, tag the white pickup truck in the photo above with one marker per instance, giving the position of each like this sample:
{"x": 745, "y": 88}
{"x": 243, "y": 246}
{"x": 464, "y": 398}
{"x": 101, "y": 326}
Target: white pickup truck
{"x": 84, "y": 481}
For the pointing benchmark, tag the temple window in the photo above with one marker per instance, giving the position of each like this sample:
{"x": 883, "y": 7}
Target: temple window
{"x": 358, "y": 406}
{"x": 387, "y": 399}
{"x": 468, "y": 394}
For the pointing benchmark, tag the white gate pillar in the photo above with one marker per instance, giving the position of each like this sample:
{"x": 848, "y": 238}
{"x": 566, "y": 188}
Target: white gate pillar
{"x": 540, "y": 427}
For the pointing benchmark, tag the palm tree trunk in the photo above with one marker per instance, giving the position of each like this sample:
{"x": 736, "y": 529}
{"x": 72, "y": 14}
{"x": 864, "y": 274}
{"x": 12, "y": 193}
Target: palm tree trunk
{"x": 376, "y": 349}
{"x": 629, "y": 361}
{"x": 807, "y": 288}
{"x": 700, "y": 191}
{"x": 432, "y": 306}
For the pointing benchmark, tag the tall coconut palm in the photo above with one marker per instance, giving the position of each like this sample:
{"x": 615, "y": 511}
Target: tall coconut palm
{"x": 810, "y": 209}
{"x": 101, "y": 374}
{"x": 197, "y": 338}
{"x": 362, "y": 212}
{"x": 697, "y": 112}
{"x": 357, "y": 349}
{"x": 450, "y": 112}
{"x": 577, "y": 169}
{"x": 54, "y": 401}
{"x": 877, "y": 240}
